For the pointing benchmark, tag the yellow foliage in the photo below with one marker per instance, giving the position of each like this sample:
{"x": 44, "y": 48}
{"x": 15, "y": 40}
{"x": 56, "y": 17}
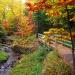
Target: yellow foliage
{"x": 53, "y": 31}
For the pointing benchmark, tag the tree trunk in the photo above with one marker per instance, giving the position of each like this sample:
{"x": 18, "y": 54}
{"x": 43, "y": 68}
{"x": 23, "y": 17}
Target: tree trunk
{"x": 70, "y": 31}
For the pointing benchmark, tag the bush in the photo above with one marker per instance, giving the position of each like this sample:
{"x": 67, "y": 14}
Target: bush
{"x": 22, "y": 46}
{"x": 3, "y": 33}
{"x": 3, "y": 56}
{"x": 54, "y": 65}
{"x": 21, "y": 50}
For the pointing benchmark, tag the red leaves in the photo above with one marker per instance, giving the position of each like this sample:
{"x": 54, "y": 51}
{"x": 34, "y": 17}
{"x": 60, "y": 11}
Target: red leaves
{"x": 37, "y": 6}
{"x": 5, "y": 24}
{"x": 42, "y": 1}
{"x": 73, "y": 34}
{"x": 47, "y": 6}
{"x": 43, "y": 5}
{"x": 72, "y": 2}
{"x": 25, "y": 25}
{"x": 56, "y": 13}
{"x": 30, "y": 6}
{"x": 66, "y": 2}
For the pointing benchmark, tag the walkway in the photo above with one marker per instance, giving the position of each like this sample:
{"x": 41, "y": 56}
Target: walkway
{"x": 65, "y": 52}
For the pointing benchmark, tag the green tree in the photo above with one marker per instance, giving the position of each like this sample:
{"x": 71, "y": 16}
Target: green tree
{"x": 41, "y": 20}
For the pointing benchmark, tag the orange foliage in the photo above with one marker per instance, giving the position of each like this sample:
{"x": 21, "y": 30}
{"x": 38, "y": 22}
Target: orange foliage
{"x": 66, "y": 2}
{"x": 39, "y": 5}
{"x": 5, "y": 24}
{"x": 42, "y": 5}
{"x": 73, "y": 34}
{"x": 66, "y": 38}
{"x": 56, "y": 13}
{"x": 25, "y": 25}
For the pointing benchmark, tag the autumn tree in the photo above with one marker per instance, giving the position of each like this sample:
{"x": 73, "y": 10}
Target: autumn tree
{"x": 68, "y": 3}
{"x": 42, "y": 20}
{"x": 39, "y": 16}
{"x": 8, "y": 13}
{"x": 24, "y": 25}
{"x": 53, "y": 8}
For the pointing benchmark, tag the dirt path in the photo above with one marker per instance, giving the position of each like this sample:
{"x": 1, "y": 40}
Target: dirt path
{"x": 65, "y": 52}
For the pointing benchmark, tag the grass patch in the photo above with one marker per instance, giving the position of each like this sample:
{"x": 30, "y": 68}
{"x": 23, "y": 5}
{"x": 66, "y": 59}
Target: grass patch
{"x": 31, "y": 64}
{"x": 54, "y": 65}
{"x": 3, "y": 56}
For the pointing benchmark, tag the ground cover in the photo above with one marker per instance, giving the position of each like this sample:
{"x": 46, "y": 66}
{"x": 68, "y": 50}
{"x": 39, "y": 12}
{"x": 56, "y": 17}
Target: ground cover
{"x": 31, "y": 64}
{"x": 43, "y": 61}
{"x": 54, "y": 65}
{"x": 3, "y": 56}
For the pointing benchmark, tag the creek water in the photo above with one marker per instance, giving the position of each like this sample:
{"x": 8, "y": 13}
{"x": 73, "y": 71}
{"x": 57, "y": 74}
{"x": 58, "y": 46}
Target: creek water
{"x": 6, "y": 66}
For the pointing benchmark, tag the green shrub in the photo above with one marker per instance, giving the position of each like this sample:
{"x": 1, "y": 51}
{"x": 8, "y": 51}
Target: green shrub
{"x": 3, "y": 56}
{"x": 54, "y": 65}
{"x": 3, "y": 33}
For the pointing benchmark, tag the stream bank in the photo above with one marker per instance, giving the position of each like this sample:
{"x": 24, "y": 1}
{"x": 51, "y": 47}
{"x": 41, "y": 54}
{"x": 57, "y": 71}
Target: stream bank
{"x": 7, "y": 65}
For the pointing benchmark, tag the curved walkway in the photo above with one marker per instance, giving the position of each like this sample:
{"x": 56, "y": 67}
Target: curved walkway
{"x": 64, "y": 52}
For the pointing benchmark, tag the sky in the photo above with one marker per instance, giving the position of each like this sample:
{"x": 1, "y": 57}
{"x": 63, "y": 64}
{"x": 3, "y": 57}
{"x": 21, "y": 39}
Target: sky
{"x": 23, "y": 1}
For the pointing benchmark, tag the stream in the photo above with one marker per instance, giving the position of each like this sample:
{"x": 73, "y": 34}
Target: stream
{"x": 6, "y": 66}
